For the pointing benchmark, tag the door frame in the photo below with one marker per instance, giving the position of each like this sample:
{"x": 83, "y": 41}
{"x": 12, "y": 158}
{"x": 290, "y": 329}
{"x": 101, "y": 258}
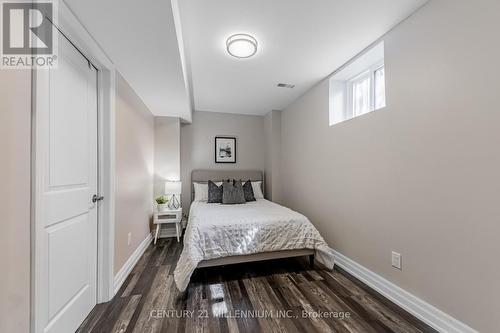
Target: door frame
{"x": 70, "y": 26}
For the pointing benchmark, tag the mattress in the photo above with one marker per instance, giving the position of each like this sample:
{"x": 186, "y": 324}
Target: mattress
{"x": 216, "y": 231}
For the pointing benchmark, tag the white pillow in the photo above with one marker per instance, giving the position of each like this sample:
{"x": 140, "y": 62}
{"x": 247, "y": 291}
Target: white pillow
{"x": 201, "y": 191}
{"x": 257, "y": 190}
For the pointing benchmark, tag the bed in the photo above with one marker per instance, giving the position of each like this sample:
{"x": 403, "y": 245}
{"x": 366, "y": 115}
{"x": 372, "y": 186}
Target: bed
{"x": 219, "y": 234}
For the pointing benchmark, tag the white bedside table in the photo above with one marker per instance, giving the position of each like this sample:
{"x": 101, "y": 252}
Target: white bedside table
{"x": 166, "y": 217}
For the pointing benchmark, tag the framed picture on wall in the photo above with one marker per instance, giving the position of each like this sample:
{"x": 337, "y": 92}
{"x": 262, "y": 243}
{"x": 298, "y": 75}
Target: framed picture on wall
{"x": 225, "y": 149}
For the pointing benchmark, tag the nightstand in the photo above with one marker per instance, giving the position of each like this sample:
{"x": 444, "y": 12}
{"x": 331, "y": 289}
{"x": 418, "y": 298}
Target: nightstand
{"x": 166, "y": 217}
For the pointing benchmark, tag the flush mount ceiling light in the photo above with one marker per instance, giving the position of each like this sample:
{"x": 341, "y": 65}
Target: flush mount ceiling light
{"x": 241, "y": 45}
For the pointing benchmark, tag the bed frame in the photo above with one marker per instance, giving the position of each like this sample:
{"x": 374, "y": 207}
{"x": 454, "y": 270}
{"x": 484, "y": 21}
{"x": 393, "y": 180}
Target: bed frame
{"x": 203, "y": 176}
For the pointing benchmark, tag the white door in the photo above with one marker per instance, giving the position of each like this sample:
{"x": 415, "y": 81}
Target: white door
{"x": 65, "y": 181}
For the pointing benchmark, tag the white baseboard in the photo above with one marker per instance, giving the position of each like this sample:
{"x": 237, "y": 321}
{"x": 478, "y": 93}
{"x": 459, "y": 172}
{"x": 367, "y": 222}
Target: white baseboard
{"x": 414, "y": 305}
{"x": 130, "y": 263}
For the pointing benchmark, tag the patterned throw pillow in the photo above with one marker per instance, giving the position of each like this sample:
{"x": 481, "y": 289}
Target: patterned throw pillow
{"x": 214, "y": 192}
{"x": 232, "y": 193}
{"x": 248, "y": 191}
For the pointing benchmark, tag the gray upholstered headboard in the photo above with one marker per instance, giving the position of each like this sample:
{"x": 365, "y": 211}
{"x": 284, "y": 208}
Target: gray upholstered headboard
{"x": 203, "y": 176}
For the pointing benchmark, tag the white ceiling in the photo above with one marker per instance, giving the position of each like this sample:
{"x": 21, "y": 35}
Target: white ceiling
{"x": 140, "y": 37}
{"x": 163, "y": 51}
{"x": 300, "y": 42}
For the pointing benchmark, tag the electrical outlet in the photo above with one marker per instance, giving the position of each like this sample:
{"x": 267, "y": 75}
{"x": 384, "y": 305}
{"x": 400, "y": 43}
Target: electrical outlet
{"x": 396, "y": 260}
{"x": 129, "y": 239}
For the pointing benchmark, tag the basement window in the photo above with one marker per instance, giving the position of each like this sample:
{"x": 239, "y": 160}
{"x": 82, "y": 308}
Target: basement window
{"x": 359, "y": 87}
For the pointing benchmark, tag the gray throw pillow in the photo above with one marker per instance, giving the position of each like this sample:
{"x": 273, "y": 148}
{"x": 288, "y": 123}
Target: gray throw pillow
{"x": 232, "y": 192}
{"x": 214, "y": 193}
{"x": 248, "y": 191}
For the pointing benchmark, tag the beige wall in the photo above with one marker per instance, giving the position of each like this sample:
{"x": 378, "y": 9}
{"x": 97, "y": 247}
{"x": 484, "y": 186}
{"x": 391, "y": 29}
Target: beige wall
{"x": 198, "y": 140}
{"x": 272, "y": 131}
{"x": 167, "y": 152}
{"x": 134, "y": 171}
{"x": 15, "y": 193}
{"x": 420, "y": 177}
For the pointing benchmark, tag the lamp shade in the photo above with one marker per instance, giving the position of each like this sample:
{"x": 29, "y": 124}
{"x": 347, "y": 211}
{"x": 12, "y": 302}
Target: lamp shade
{"x": 173, "y": 187}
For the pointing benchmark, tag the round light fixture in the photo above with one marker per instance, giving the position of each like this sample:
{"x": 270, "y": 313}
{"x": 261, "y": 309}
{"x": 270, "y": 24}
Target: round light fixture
{"x": 241, "y": 45}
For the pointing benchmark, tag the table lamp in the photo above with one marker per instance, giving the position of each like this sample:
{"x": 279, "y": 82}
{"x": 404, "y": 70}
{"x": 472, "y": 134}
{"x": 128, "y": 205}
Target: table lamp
{"x": 173, "y": 188}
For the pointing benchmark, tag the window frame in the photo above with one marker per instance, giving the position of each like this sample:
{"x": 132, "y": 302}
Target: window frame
{"x": 382, "y": 66}
{"x": 370, "y": 73}
{"x": 351, "y": 83}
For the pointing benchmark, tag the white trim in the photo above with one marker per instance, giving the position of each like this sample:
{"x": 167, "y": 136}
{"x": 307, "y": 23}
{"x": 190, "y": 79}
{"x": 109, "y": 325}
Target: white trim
{"x": 130, "y": 263}
{"x": 106, "y": 217}
{"x": 367, "y": 73}
{"x": 409, "y": 302}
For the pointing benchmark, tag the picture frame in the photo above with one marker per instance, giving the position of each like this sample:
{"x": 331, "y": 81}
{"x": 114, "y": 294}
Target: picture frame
{"x": 225, "y": 149}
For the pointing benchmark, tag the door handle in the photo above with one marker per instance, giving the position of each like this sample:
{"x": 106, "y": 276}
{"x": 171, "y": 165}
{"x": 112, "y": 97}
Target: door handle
{"x": 96, "y": 198}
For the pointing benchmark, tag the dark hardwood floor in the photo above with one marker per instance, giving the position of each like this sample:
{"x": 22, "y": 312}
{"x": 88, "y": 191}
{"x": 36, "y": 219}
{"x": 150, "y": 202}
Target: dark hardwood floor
{"x": 274, "y": 296}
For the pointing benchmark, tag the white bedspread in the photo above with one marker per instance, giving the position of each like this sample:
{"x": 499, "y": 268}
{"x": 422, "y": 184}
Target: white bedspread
{"x": 216, "y": 231}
